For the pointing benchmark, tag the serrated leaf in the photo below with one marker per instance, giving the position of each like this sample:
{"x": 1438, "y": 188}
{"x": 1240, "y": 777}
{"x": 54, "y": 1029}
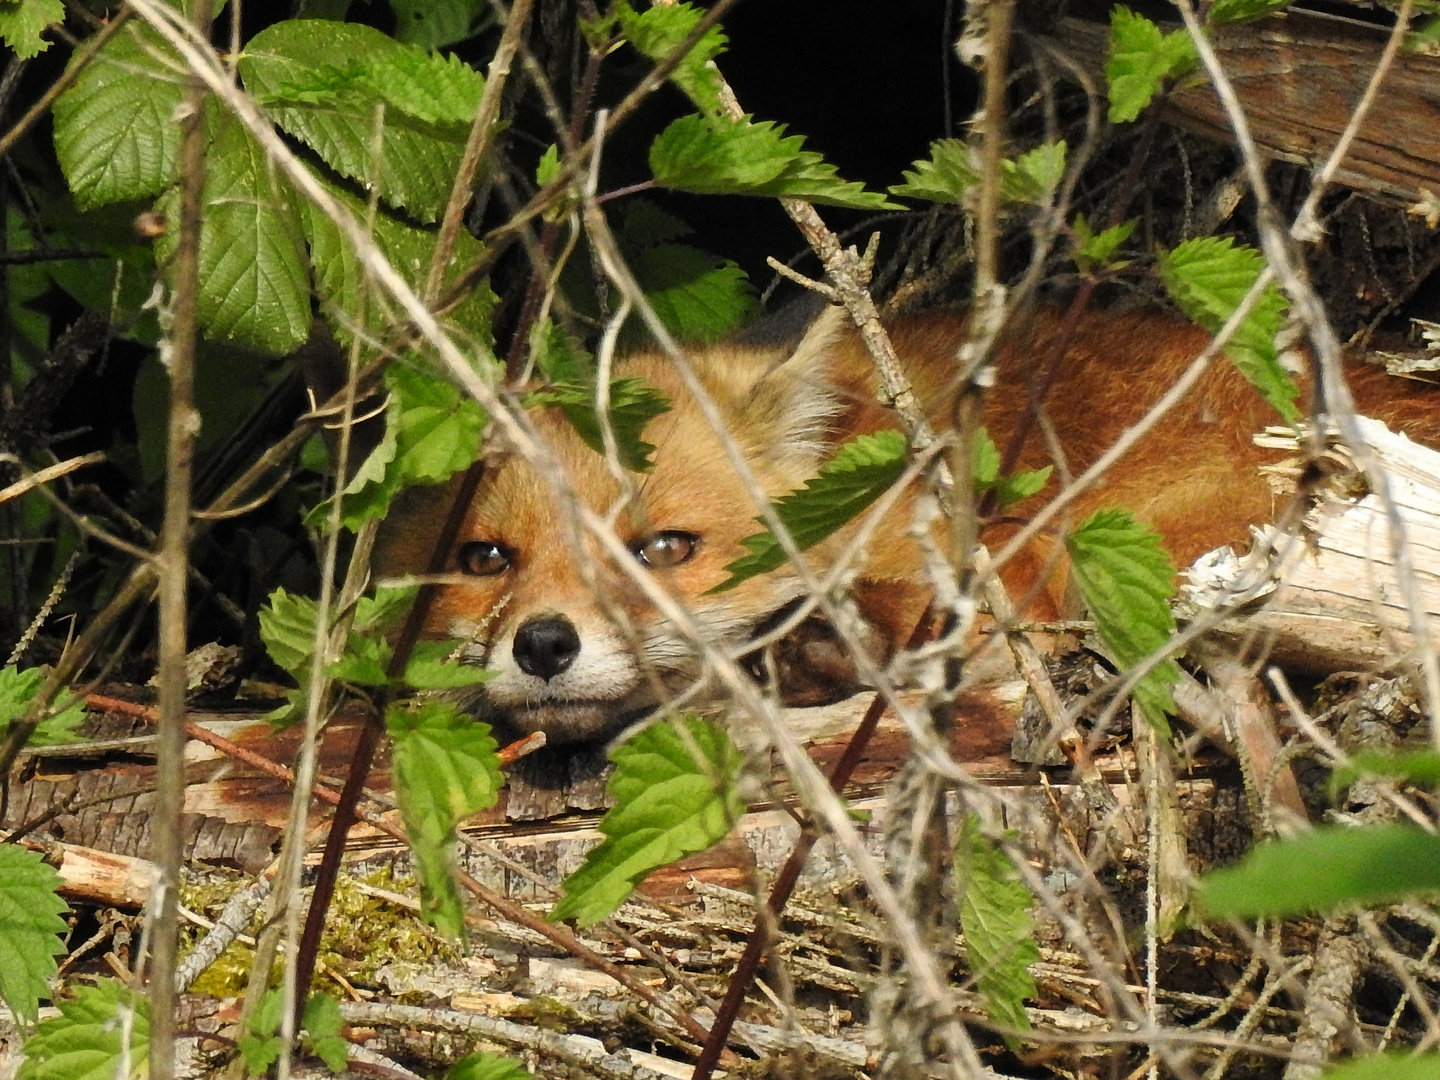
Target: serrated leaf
{"x": 322, "y": 1023}
{"x": 432, "y": 431}
{"x": 1396, "y": 1066}
{"x": 1127, "y": 580}
{"x": 487, "y": 1067}
{"x": 633, "y": 404}
{"x": 1324, "y": 869}
{"x": 1142, "y": 58}
{"x": 260, "y": 1046}
{"x": 559, "y": 357}
{"x": 254, "y": 278}
{"x": 854, "y": 478}
{"x": 417, "y": 159}
{"x": 668, "y": 804}
{"x": 445, "y": 769}
{"x": 87, "y": 1041}
{"x": 340, "y": 280}
{"x": 430, "y": 668}
{"x": 1034, "y": 175}
{"x": 115, "y": 130}
{"x": 946, "y": 176}
{"x": 433, "y": 24}
{"x": 999, "y": 930}
{"x": 715, "y": 156}
{"x": 1008, "y": 489}
{"x": 23, "y": 22}
{"x": 287, "y": 628}
{"x": 548, "y": 167}
{"x": 1230, "y": 12}
{"x": 1096, "y": 251}
{"x": 698, "y": 296}
{"x": 442, "y": 91}
{"x": 30, "y": 927}
{"x": 1208, "y": 277}
{"x": 659, "y": 30}
{"x": 18, "y": 688}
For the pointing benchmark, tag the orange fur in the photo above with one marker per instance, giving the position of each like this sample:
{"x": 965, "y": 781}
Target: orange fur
{"x": 580, "y": 650}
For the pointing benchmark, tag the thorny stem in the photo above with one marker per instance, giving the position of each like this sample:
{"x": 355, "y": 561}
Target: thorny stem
{"x": 166, "y": 849}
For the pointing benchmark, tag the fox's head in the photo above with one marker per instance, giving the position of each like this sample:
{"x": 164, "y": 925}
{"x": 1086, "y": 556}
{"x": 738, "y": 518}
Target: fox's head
{"x": 577, "y": 648}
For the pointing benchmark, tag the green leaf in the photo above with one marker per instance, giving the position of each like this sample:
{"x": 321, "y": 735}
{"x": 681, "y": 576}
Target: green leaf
{"x": 487, "y": 1067}
{"x": 115, "y": 130}
{"x": 23, "y": 22}
{"x": 945, "y": 177}
{"x": 1324, "y": 869}
{"x": 1095, "y": 252}
{"x": 1230, "y": 12}
{"x": 336, "y": 116}
{"x": 88, "y": 1040}
{"x": 633, "y": 404}
{"x": 1386, "y": 1067}
{"x": 260, "y": 1046}
{"x": 715, "y": 156}
{"x": 254, "y": 281}
{"x": 559, "y": 357}
{"x": 1141, "y": 60}
{"x": 18, "y": 688}
{"x": 548, "y": 167}
{"x": 999, "y": 931}
{"x": 849, "y": 482}
{"x": 446, "y": 769}
{"x": 1412, "y": 766}
{"x": 1127, "y": 580}
{"x": 430, "y": 668}
{"x": 668, "y": 804}
{"x": 1208, "y": 277}
{"x": 1008, "y": 489}
{"x": 659, "y": 30}
{"x": 432, "y": 431}
{"x": 433, "y": 24}
{"x": 322, "y": 1023}
{"x": 1034, "y": 175}
{"x": 30, "y": 927}
{"x": 698, "y": 296}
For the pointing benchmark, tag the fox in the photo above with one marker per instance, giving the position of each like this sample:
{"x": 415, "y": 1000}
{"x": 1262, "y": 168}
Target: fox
{"x": 577, "y": 649}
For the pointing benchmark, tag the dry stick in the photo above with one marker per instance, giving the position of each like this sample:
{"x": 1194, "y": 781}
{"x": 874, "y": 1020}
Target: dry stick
{"x": 786, "y": 880}
{"x": 173, "y": 577}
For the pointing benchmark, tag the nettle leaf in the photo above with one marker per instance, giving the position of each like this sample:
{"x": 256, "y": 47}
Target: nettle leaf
{"x": 698, "y": 296}
{"x": 1008, "y": 489}
{"x": 18, "y": 688}
{"x": 1324, "y": 869}
{"x": 1142, "y": 58}
{"x": 322, "y": 1023}
{"x": 430, "y": 668}
{"x": 1034, "y": 175}
{"x": 260, "y": 1046}
{"x": 999, "y": 930}
{"x": 23, "y": 22}
{"x": 432, "y": 431}
{"x": 433, "y": 24}
{"x": 485, "y": 1066}
{"x": 418, "y": 158}
{"x": 849, "y": 482}
{"x": 668, "y": 804}
{"x": 445, "y": 769}
{"x": 1412, "y": 766}
{"x": 1208, "y": 277}
{"x": 1095, "y": 252}
{"x": 1127, "y": 580}
{"x": 254, "y": 278}
{"x": 89, "y": 1038}
{"x": 715, "y": 156}
{"x": 115, "y": 130}
{"x": 558, "y": 356}
{"x": 30, "y": 927}
{"x": 946, "y": 177}
{"x": 633, "y": 404}
{"x": 1393, "y": 1066}
{"x": 658, "y": 31}
{"x": 340, "y": 280}
{"x": 1230, "y": 12}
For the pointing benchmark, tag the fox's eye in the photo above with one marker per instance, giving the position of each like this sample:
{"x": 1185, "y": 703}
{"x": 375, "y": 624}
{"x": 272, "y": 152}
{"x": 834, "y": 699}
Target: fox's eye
{"x": 669, "y": 548}
{"x": 483, "y": 558}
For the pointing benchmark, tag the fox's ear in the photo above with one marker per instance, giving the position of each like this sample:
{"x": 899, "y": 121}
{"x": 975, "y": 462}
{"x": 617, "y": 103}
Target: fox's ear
{"x": 792, "y": 409}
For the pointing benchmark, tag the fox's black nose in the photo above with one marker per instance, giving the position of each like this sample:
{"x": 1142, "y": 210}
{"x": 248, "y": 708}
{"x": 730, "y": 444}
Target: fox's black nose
{"x": 545, "y": 645}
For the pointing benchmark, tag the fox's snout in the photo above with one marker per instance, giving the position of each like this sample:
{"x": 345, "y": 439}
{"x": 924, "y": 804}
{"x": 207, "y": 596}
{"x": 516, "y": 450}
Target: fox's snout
{"x": 545, "y": 645}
